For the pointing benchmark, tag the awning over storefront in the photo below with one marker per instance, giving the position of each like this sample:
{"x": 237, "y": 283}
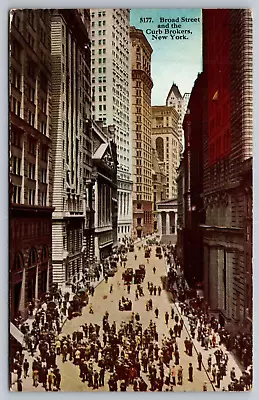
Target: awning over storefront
{"x": 16, "y": 333}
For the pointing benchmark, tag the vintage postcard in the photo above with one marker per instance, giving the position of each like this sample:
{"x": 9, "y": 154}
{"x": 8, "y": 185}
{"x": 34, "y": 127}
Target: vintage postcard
{"x": 131, "y": 152}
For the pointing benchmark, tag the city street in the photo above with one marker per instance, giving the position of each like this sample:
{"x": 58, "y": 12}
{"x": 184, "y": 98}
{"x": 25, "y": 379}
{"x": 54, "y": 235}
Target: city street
{"x": 104, "y": 301}
{"x": 101, "y": 304}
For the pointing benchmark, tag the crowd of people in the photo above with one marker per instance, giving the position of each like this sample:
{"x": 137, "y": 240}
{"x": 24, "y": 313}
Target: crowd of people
{"x": 40, "y": 339}
{"x": 210, "y": 334}
{"x": 131, "y": 356}
{"x": 39, "y": 342}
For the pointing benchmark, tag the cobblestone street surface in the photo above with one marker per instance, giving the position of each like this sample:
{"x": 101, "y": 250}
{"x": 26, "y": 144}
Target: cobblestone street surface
{"x": 103, "y": 301}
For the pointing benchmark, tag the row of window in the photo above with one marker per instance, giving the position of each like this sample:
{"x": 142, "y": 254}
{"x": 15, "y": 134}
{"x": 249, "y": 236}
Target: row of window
{"x": 101, "y": 79}
{"x": 100, "y": 23}
{"x": 16, "y": 140}
{"x": 123, "y": 229}
{"x": 100, "y": 89}
{"x": 100, "y": 61}
{"x": 100, "y": 32}
{"x": 16, "y": 196}
{"x": 32, "y": 122}
{"x": 15, "y": 106}
{"x": 101, "y": 42}
{"x": 74, "y": 240}
{"x": 16, "y": 82}
{"x": 100, "y": 70}
{"x": 100, "y": 14}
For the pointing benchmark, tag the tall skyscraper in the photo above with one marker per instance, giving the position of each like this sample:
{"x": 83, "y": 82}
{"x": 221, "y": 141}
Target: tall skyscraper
{"x": 165, "y": 140}
{"x": 111, "y": 97}
{"x": 227, "y": 159}
{"x": 159, "y": 185}
{"x": 72, "y": 144}
{"x": 141, "y": 133}
{"x": 180, "y": 103}
{"x": 31, "y": 158}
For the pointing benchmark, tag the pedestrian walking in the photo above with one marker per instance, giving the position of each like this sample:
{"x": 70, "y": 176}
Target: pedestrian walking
{"x": 35, "y": 376}
{"x": 204, "y": 388}
{"x": 199, "y": 361}
{"x": 19, "y": 370}
{"x": 233, "y": 374}
{"x": 26, "y": 368}
{"x": 180, "y": 375}
{"x": 209, "y": 363}
{"x": 166, "y": 318}
{"x": 101, "y": 376}
{"x": 172, "y": 313}
{"x": 214, "y": 373}
{"x": 173, "y": 375}
{"x": 156, "y": 312}
{"x": 58, "y": 347}
{"x": 51, "y": 378}
{"x": 111, "y": 288}
{"x": 159, "y": 291}
{"x": 177, "y": 356}
{"x": 218, "y": 376}
{"x": 154, "y": 270}
{"x": 190, "y": 370}
{"x": 19, "y": 385}
{"x": 96, "y": 380}
{"x": 57, "y": 378}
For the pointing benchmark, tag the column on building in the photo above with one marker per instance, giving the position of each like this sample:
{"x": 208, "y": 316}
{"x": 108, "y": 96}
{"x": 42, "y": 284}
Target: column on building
{"x": 167, "y": 223}
{"x": 124, "y": 205}
{"x": 120, "y": 203}
{"x": 127, "y": 203}
{"x": 102, "y": 204}
{"x": 175, "y": 222}
{"x": 159, "y": 223}
{"x": 105, "y": 203}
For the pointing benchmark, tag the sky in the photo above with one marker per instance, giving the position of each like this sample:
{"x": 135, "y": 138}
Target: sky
{"x": 173, "y": 60}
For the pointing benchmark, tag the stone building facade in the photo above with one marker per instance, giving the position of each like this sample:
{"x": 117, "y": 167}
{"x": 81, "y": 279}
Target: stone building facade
{"x": 111, "y": 96}
{"x": 30, "y": 269}
{"x": 72, "y": 143}
{"x": 142, "y": 84}
{"x": 166, "y": 141}
{"x": 105, "y": 190}
{"x": 180, "y": 103}
{"x": 159, "y": 185}
{"x": 227, "y": 146}
{"x": 181, "y": 210}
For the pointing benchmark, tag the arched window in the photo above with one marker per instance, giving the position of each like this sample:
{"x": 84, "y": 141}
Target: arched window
{"x": 44, "y": 254}
{"x": 160, "y": 148}
{"x": 18, "y": 262}
{"x": 32, "y": 258}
